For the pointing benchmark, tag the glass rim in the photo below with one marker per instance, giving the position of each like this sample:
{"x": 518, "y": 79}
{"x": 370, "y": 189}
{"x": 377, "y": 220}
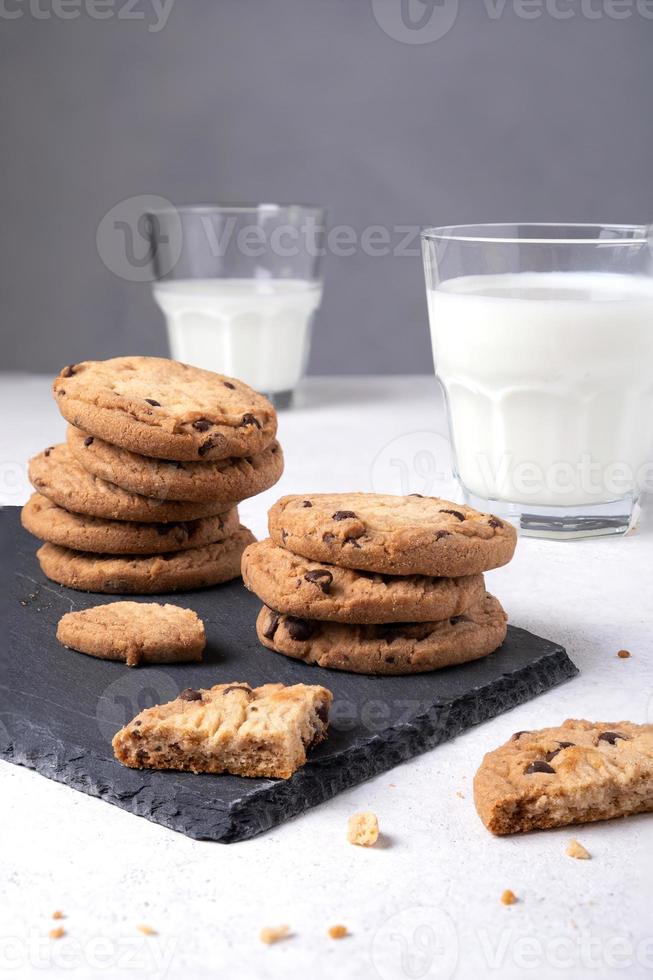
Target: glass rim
{"x": 263, "y": 206}
{"x": 496, "y": 233}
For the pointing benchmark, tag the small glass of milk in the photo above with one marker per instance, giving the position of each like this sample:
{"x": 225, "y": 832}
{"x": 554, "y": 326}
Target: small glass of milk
{"x": 239, "y": 287}
{"x": 542, "y": 340}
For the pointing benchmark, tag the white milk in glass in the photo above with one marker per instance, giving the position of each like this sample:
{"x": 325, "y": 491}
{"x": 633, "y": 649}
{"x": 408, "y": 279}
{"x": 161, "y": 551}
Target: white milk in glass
{"x": 257, "y": 330}
{"x": 549, "y": 381}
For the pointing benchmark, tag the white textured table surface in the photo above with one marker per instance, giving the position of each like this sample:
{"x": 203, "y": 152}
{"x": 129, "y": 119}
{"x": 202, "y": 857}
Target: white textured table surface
{"x": 425, "y": 904}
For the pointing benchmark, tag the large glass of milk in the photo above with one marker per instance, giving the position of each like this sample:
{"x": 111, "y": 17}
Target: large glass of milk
{"x": 240, "y": 287}
{"x": 542, "y": 339}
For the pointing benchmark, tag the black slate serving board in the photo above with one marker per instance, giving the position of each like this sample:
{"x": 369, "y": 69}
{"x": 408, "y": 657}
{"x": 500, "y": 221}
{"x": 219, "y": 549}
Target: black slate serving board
{"x": 59, "y": 709}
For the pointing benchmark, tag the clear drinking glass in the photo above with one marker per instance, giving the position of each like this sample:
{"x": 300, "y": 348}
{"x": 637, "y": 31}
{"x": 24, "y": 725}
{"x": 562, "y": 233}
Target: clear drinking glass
{"x": 239, "y": 287}
{"x": 542, "y": 339}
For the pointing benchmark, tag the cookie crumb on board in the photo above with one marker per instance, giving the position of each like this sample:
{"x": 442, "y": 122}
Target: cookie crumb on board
{"x": 274, "y": 934}
{"x": 509, "y": 897}
{"x": 338, "y": 932}
{"x": 147, "y": 930}
{"x": 623, "y": 654}
{"x": 576, "y": 850}
{"x": 58, "y": 915}
{"x": 57, "y": 933}
{"x": 363, "y": 829}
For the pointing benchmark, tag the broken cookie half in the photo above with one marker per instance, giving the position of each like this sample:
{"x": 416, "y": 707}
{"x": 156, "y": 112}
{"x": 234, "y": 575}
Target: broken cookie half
{"x": 577, "y": 773}
{"x": 230, "y": 728}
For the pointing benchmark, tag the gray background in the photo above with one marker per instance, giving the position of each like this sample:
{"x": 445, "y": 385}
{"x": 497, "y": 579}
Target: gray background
{"x": 502, "y": 118}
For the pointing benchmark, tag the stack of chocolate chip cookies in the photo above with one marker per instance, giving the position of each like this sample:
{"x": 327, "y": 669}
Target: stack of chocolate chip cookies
{"x": 378, "y": 584}
{"x": 142, "y": 497}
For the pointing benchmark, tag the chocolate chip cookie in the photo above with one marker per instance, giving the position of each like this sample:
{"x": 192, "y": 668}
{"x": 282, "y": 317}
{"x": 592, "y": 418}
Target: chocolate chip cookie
{"x": 222, "y": 481}
{"x": 161, "y": 408}
{"x": 58, "y": 476}
{"x": 580, "y": 772}
{"x": 393, "y": 535}
{"x": 260, "y": 731}
{"x": 146, "y": 574}
{"x": 135, "y": 633}
{"x": 310, "y": 590}
{"x": 391, "y": 648}
{"x": 49, "y": 522}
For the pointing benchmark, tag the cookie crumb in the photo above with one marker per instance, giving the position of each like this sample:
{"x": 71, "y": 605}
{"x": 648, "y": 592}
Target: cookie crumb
{"x": 274, "y": 934}
{"x": 363, "y": 829}
{"x": 147, "y": 930}
{"x": 623, "y": 654}
{"x": 58, "y": 915}
{"x": 338, "y": 932}
{"x": 460, "y": 795}
{"x": 509, "y": 897}
{"x": 57, "y": 933}
{"x": 576, "y": 850}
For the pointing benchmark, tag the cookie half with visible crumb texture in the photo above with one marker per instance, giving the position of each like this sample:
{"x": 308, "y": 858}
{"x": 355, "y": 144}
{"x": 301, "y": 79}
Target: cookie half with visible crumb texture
{"x": 389, "y": 648}
{"x": 49, "y": 522}
{"x": 57, "y": 475}
{"x": 262, "y": 731}
{"x": 580, "y": 772}
{"x": 220, "y": 481}
{"x": 146, "y": 574}
{"x": 313, "y": 590}
{"x": 165, "y": 409}
{"x": 392, "y": 535}
{"x": 135, "y": 633}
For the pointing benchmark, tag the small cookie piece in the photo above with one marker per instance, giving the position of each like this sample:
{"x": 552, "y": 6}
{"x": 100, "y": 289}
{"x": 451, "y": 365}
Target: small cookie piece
{"x": 576, "y": 850}
{"x": 176, "y": 571}
{"x": 577, "y": 773}
{"x": 393, "y": 535}
{"x": 508, "y": 897}
{"x": 49, "y": 522}
{"x": 301, "y": 587}
{"x": 363, "y": 829}
{"x": 274, "y": 934}
{"x": 58, "y": 476}
{"x": 223, "y": 481}
{"x": 390, "y": 648}
{"x": 261, "y": 731}
{"x": 165, "y": 409}
{"x": 135, "y": 632}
